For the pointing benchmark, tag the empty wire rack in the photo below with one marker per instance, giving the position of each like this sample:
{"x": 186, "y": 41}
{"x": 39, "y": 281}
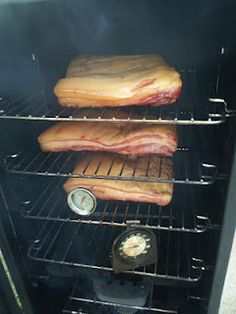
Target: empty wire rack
{"x": 181, "y": 215}
{"x": 160, "y": 299}
{"x": 87, "y": 306}
{"x": 199, "y": 104}
{"x": 86, "y": 246}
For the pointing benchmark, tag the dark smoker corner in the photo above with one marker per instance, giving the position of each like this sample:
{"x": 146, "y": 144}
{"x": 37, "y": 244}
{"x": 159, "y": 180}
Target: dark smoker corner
{"x": 3, "y": 304}
{"x": 55, "y": 258}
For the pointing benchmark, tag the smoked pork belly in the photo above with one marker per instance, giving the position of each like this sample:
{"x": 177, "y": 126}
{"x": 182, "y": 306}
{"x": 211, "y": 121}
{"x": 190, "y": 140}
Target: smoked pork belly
{"x": 126, "y": 139}
{"x": 110, "y": 81}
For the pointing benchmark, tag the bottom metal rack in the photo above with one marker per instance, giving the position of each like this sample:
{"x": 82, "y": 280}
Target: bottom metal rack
{"x": 158, "y": 299}
{"x": 88, "y": 246}
{"x": 79, "y": 305}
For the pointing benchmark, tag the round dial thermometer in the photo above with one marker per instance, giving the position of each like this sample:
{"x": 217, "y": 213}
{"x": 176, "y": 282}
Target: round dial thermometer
{"x": 134, "y": 245}
{"x": 81, "y": 201}
{"x": 134, "y": 248}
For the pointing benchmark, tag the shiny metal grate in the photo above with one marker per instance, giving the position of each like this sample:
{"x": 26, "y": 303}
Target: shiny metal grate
{"x": 198, "y": 105}
{"x": 180, "y": 215}
{"x": 188, "y": 167}
{"x": 160, "y": 299}
{"x": 88, "y": 306}
{"x": 87, "y": 246}
{"x": 191, "y": 163}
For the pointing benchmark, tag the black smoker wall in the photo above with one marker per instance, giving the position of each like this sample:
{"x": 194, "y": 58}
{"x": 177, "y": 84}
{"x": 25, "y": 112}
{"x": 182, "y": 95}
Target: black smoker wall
{"x": 187, "y": 33}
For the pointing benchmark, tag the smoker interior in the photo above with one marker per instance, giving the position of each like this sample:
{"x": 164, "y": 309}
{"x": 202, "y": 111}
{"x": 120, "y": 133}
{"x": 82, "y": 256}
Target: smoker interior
{"x": 39, "y": 39}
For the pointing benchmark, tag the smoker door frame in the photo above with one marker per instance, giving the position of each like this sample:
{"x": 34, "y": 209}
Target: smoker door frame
{"x": 12, "y": 284}
{"x": 226, "y": 239}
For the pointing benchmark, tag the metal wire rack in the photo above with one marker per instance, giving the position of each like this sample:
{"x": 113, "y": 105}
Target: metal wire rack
{"x": 198, "y": 105}
{"x": 87, "y": 246}
{"x": 188, "y": 167}
{"x": 91, "y": 304}
{"x": 87, "y": 306}
{"x": 181, "y": 215}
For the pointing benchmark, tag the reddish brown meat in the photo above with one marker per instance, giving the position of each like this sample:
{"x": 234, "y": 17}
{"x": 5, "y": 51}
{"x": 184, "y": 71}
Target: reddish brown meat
{"x": 124, "y": 139}
{"x": 108, "y": 81}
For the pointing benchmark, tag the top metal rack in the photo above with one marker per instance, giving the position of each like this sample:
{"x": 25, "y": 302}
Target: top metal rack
{"x": 198, "y": 105}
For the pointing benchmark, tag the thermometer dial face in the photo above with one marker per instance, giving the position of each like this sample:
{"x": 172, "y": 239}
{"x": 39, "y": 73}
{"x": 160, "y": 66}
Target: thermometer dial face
{"x": 81, "y": 201}
{"x": 134, "y": 248}
{"x": 134, "y": 245}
